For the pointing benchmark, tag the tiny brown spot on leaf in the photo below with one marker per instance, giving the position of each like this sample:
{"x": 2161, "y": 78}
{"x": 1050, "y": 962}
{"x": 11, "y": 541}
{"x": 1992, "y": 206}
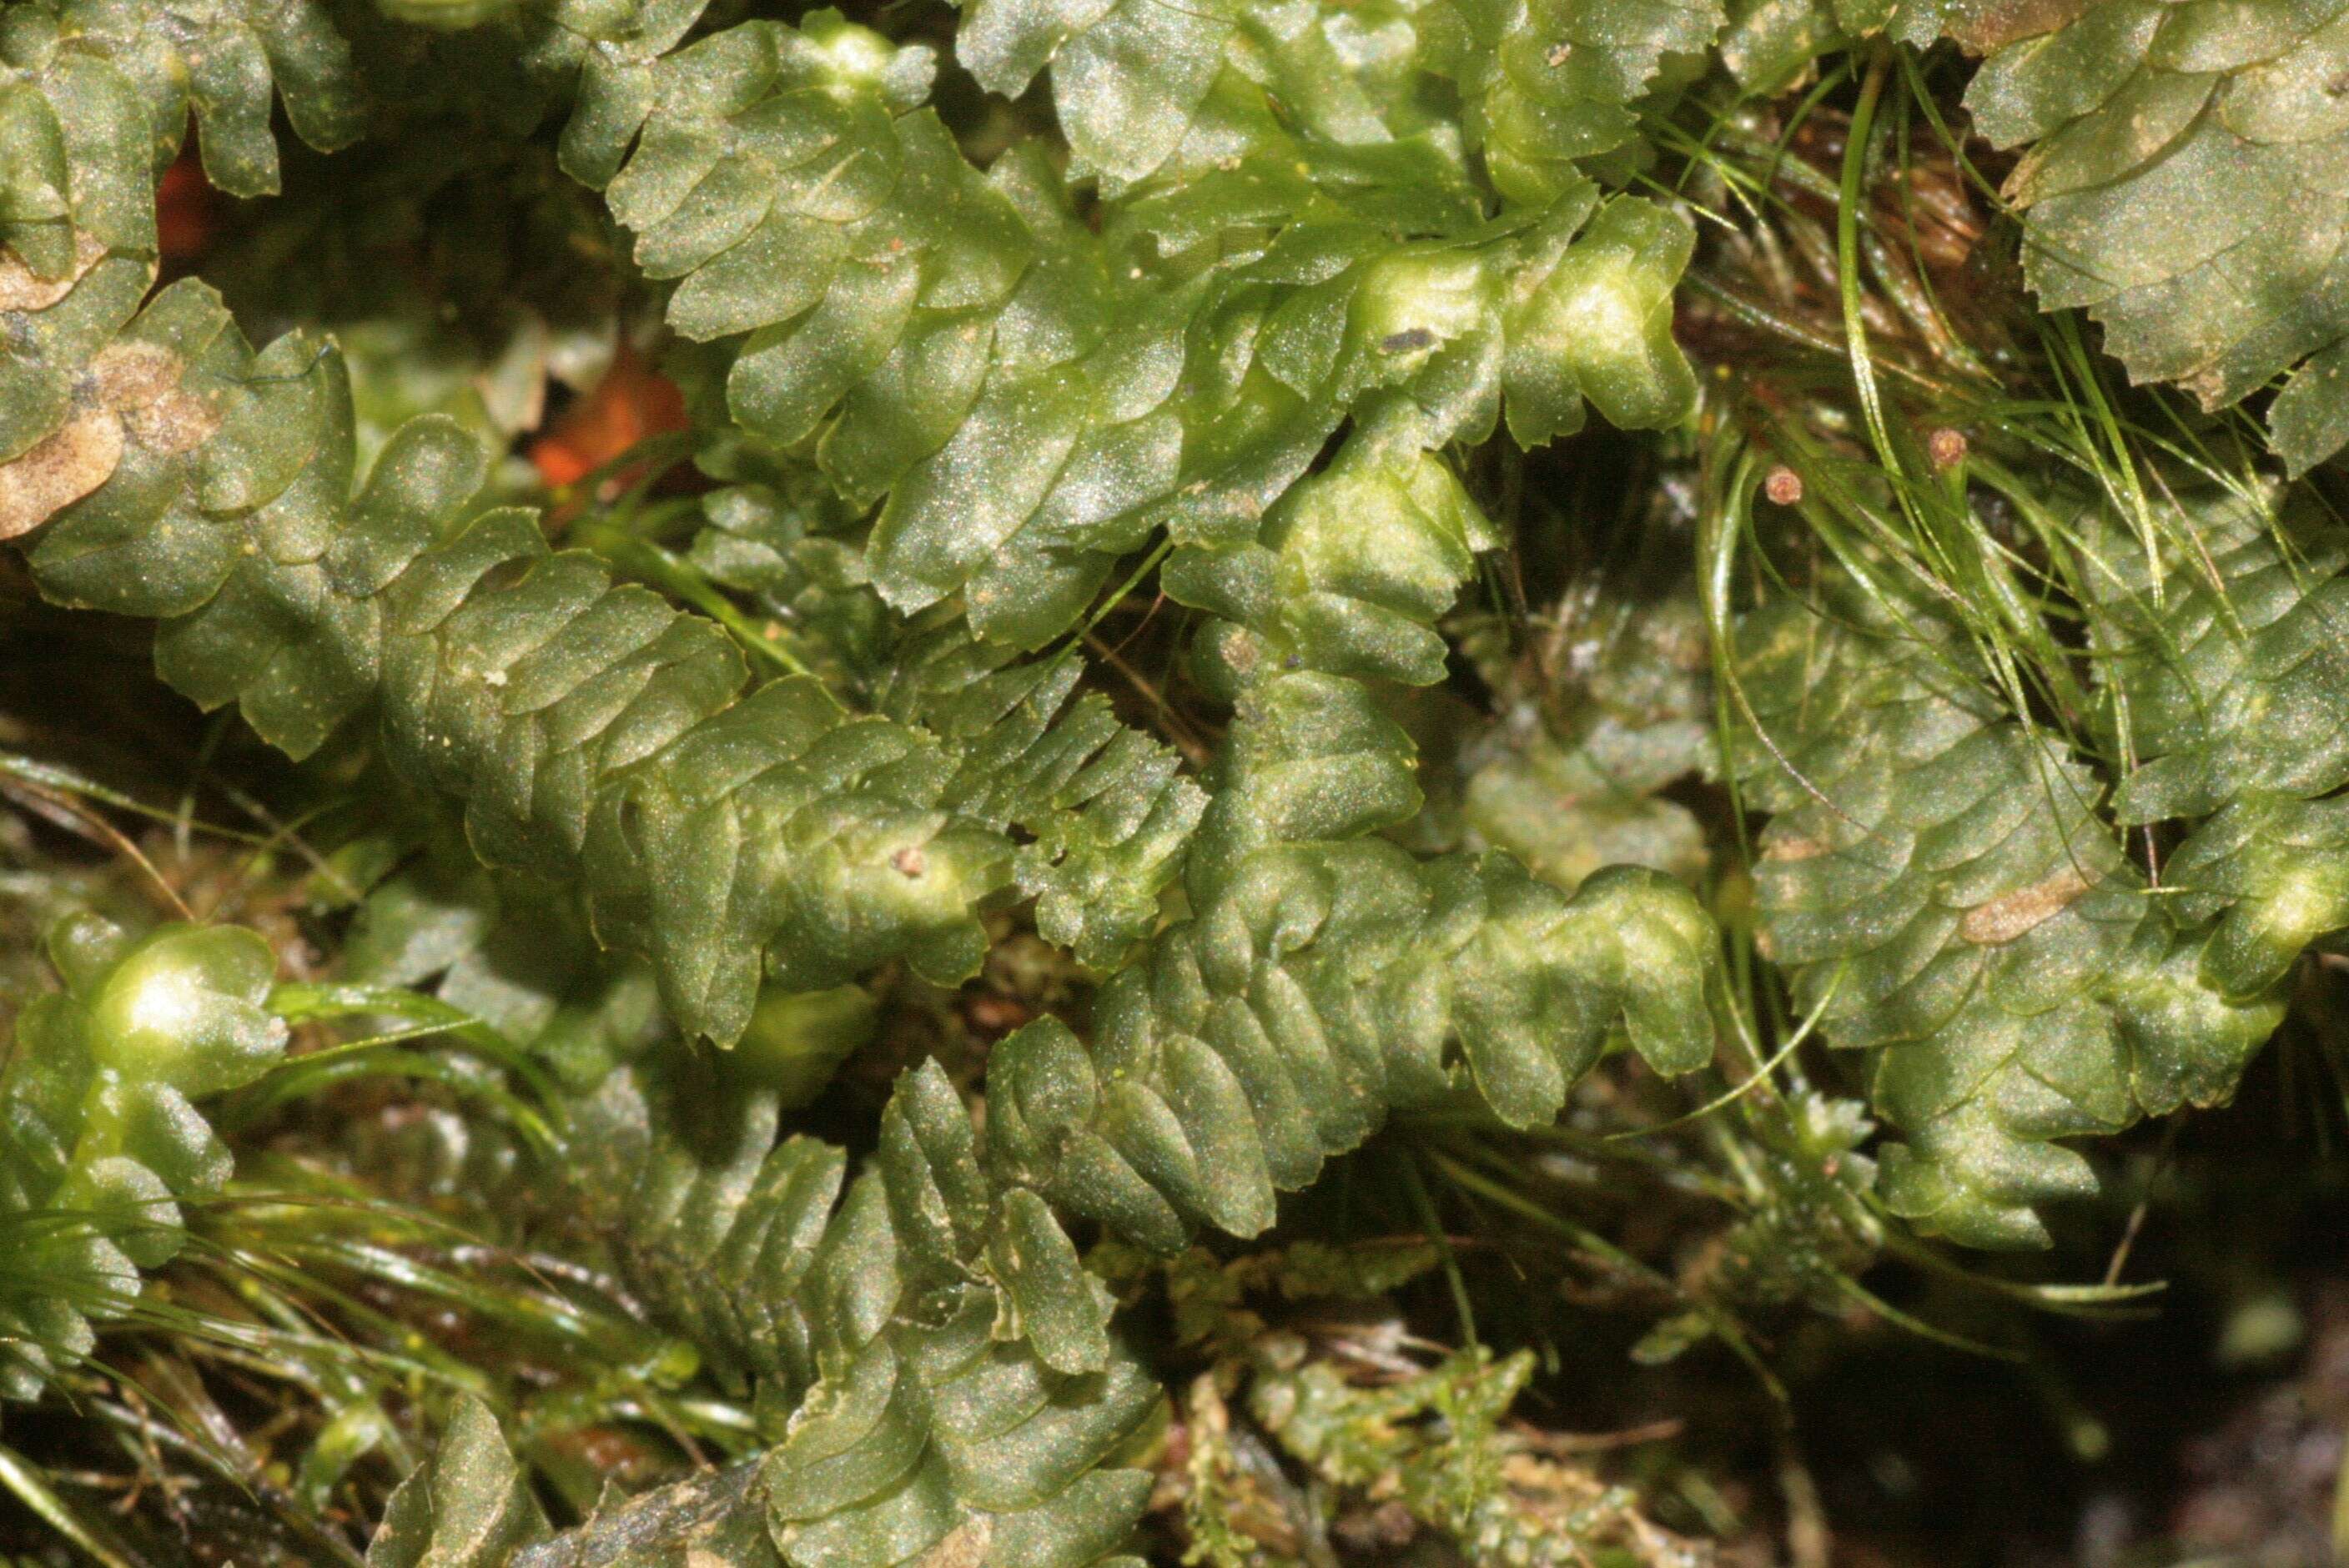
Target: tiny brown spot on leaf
{"x": 1792, "y": 847}
{"x": 1783, "y": 485}
{"x": 909, "y": 861}
{"x": 2009, "y": 915}
{"x": 1982, "y": 26}
{"x": 174, "y": 423}
{"x": 965, "y": 1546}
{"x": 140, "y": 381}
{"x": 132, "y": 375}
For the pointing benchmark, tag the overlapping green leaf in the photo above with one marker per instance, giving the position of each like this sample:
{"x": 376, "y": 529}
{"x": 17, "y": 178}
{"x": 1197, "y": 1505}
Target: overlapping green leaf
{"x": 592, "y": 732}
{"x": 97, "y": 96}
{"x": 1324, "y": 985}
{"x": 1128, "y": 76}
{"x": 1103, "y": 809}
{"x": 2229, "y": 648}
{"x": 1947, "y": 883}
{"x": 1137, "y": 84}
{"x": 2187, "y": 182}
{"x": 946, "y": 1356}
{"x": 1034, "y": 395}
{"x": 1546, "y": 82}
{"x": 1348, "y": 573}
{"x": 1598, "y": 716}
{"x": 95, "y": 100}
{"x": 1325, "y": 976}
{"x": 469, "y": 1507}
{"x": 119, "y": 79}
{"x": 1938, "y": 882}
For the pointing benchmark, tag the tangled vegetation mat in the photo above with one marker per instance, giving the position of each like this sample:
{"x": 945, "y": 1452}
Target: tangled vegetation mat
{"x": 1272, "y": 783}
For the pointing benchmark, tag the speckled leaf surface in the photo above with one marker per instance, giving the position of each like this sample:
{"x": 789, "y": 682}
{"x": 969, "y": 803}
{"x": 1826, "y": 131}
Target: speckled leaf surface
{"x": 2186, "y": 181}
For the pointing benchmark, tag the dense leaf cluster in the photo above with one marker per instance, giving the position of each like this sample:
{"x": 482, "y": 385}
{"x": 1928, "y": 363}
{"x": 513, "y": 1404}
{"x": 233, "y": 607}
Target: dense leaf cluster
{"x": 1290, "y": 285}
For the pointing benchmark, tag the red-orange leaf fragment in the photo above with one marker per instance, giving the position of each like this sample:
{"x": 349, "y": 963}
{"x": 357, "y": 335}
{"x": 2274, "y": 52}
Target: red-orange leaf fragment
{"x": 632, "y": 402}
{"x": 186, "y": 211}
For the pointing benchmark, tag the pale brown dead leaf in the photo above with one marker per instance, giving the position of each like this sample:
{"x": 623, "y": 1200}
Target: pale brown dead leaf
{"x": 75, "y": 459}
{"x": 132, "y": 393}
{"x": 21, "y": 289}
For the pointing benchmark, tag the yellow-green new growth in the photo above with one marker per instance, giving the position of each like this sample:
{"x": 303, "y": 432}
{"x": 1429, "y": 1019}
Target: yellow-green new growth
{"x": 100, "y": 1142}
